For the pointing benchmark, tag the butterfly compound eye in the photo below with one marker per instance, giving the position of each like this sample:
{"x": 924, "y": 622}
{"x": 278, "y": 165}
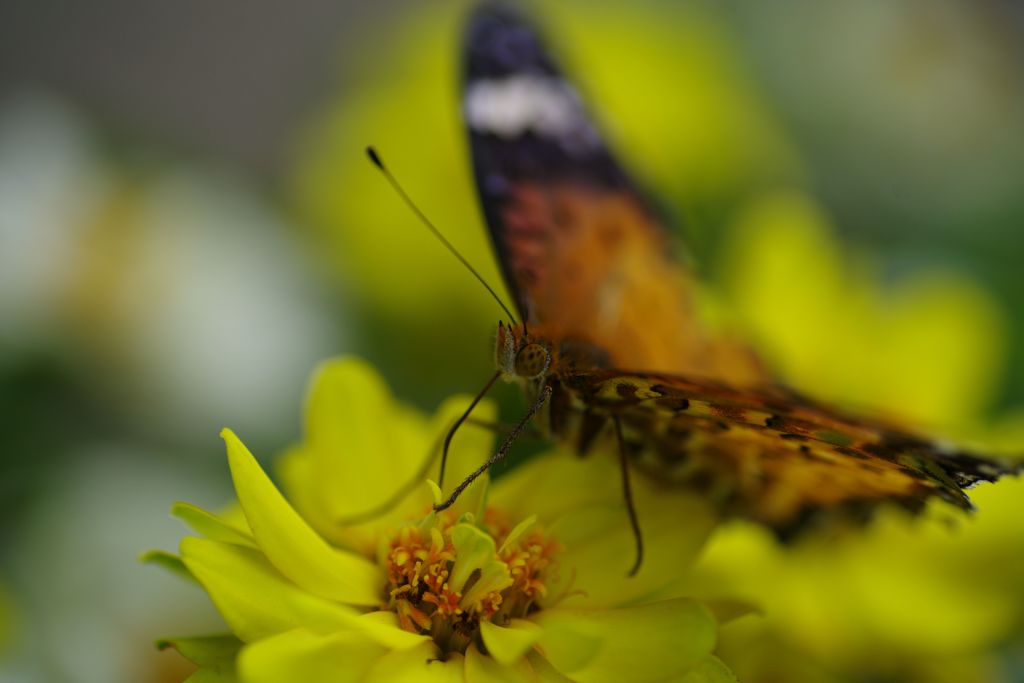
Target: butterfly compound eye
{"x": 532, "y": 361}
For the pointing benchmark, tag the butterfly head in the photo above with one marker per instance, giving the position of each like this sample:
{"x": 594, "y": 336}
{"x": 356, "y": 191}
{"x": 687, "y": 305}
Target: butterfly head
{"x": 518, "y": 356}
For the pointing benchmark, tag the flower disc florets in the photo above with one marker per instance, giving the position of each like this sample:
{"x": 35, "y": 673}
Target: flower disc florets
{"x": 446, "y": 576}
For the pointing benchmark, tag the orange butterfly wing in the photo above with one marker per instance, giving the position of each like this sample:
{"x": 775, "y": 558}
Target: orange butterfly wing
{"x": 584, "y": 255}
{"x": 586, "y": 259}
{"x": 594, "y": 268}
{"x": 774, "y": 456}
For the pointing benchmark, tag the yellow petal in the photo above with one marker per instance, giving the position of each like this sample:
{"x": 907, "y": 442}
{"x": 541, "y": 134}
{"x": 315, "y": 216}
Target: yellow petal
{"x": 508, "y": 644}
{"x": 517, "y": 531}
{"x": 568, "y": 645}
{"x": 215, "y": 652}
{"x": 382, "y": 627}
{"x": 482, "y": 669}
{"x": 360, "y": 442}
{"x": 253, "y": 597}
{"x": 538, "y": 487}
{"x": 168, "y": 561}
{"x": 709, "y": 670}
{"x": 417, "y": 665}
{"x": 291, "y": 544}
{"x": 546, "y": 673}
{"x": 651, "y": 642}
{"x": 211, "y": 526}
{"x": 363, "y": 449}
{"x": 599, "y": 544}
{"x": 292, "y": 471}
{"x": 303, "y": 656}
{"x": 494, "y": 576}
{"x": 473, "y": 550}
{"x": 435, "y": 492}
{"x": 726, "y": 611}
{"x": 211, "y": 676}
{"x": 590, "y": 519}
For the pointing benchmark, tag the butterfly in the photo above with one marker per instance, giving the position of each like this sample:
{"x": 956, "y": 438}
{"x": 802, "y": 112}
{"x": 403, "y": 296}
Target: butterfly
{"x": 608, "y": 341}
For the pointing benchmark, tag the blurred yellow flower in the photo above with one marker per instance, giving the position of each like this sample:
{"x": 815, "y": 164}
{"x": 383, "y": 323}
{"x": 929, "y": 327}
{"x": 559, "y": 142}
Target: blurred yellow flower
{"x": 526, "y": 581}
{"x": 930, "y": 599}
{"x": 929, "y": 349}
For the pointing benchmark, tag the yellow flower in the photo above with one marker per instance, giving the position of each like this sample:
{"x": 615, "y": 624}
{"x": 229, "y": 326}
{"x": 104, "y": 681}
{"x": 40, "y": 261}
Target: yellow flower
{"x": 929, "y": 348}
{"x": 916, "y": 600}
{"x": 520, "y": 581}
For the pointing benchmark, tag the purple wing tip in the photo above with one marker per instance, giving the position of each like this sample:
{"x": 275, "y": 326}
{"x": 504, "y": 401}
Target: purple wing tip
{"x": 500, "y": 41}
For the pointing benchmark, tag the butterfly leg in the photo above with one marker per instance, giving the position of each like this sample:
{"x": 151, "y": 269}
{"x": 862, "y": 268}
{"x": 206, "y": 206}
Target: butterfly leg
{"x": 502, "y": 451}
{"x": 504, "y": 428}
{"x": 627, "y": 491}
{"x": 458, "y": 423}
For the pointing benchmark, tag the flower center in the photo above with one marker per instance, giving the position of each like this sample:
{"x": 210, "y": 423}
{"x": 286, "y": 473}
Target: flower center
{"x": 446, "y": 576}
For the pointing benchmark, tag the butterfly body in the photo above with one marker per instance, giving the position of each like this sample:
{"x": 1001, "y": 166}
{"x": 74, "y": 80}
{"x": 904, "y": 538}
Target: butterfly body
{"x": 768, "y": 454}
{"x": 610, "y": 338}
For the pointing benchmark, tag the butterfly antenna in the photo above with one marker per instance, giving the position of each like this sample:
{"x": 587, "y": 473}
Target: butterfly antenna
{"x": 375, "y": 158}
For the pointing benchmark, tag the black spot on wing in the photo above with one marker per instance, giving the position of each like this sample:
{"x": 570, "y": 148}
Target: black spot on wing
{"x": 672, "y": 404}
{"x": 967, "y": 470}
{"x": 794, "y": 437}
{"x": 626, "y": 390}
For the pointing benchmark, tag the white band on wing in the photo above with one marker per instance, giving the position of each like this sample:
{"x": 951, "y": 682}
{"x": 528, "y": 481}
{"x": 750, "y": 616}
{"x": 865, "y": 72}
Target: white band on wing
{"x": 511, "y": 106}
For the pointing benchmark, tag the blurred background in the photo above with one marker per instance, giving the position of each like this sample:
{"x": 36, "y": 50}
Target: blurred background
{"x": 188, "y": 225}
